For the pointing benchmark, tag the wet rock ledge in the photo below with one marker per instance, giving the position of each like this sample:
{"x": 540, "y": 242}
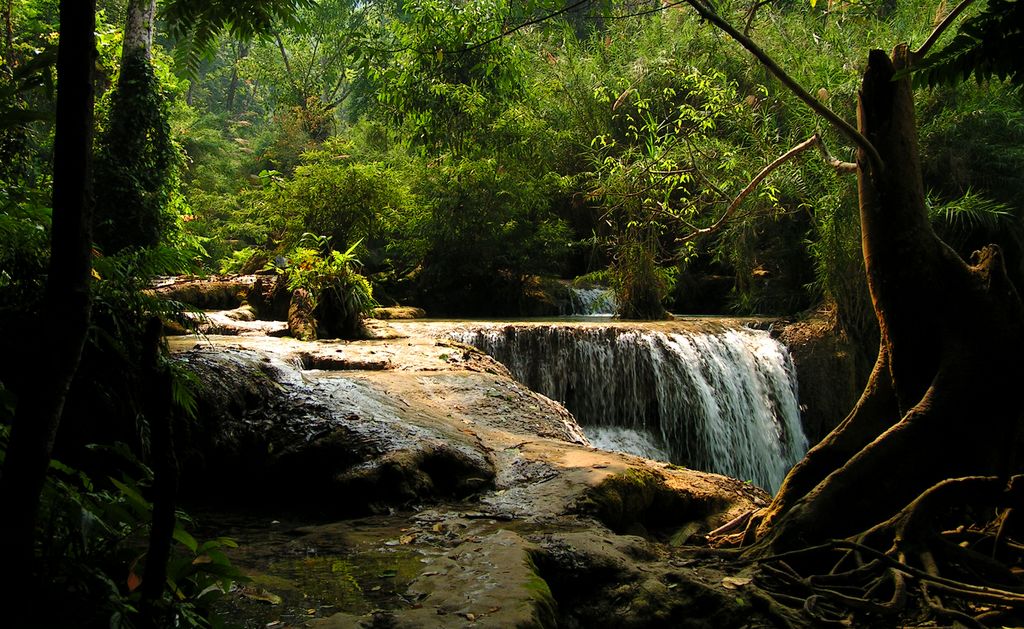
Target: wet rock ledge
{"x": 411, "y": 482}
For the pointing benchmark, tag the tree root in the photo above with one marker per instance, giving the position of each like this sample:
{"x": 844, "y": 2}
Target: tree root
{"x": 913, "y": 568}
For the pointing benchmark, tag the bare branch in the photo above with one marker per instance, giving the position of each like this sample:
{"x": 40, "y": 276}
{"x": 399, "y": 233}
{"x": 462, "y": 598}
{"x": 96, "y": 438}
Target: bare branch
{"x": 839, "y": 165}
{"x": 946, "y": 22}
{"x": 752, "y": 13}
{"x": 809, "y": 143}
{"x": 845, "y": 127}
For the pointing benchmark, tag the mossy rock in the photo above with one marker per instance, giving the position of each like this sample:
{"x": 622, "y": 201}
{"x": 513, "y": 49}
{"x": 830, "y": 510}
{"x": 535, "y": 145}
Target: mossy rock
{"x": 639, "y": 501}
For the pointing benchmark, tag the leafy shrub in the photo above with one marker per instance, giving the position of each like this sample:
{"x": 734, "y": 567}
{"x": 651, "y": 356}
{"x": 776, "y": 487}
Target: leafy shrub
{"x": 239, "y": 261}
{"x": 341, "y": 297}
{"x": 95, "y": 545}
{"x": 343, "y": 199}
{"x": 489, "y": 226}
{"x": 639, "y": 285}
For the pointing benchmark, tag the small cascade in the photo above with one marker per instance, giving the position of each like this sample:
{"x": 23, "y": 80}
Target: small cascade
{"x": 721, "y": 400}
{"x": 591, "y": 301}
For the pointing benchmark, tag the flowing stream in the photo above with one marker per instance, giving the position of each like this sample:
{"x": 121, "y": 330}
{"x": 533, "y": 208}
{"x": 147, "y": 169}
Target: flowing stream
{"x": 719, "y": 398}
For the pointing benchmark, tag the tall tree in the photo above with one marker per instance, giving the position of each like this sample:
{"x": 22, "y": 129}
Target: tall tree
{"x": 136, "y": 154}
{"x": 138, "y": 29}
{"x": 936, "y": 427}
{"x": 67, "y": 302}
{"x": 63, "y": 327}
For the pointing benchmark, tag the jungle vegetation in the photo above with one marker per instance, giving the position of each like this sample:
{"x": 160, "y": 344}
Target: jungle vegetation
{"x": 470, "y": 155}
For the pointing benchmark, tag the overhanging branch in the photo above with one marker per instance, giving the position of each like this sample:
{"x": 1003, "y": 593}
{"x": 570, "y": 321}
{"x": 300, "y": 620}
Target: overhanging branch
{"x": 946, "y": 22}
{"x": 844, "y": 127}
{"x": 811, "y": 142}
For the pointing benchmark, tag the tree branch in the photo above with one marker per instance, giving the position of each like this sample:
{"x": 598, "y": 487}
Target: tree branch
{"x": 809, "y": 143}
{"x": 844, "y": 127}
{"x": 752, "y": 13}
{"x": 837, "y": 164}
{"x": 522, "y": 25}
{"x": 288, "y": 69}
{"x": 946, "y": 22}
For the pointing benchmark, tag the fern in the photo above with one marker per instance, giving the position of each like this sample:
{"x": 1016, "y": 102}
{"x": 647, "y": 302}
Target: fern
{"x": 969, "y": 212}
{"x": 986, "y": 45}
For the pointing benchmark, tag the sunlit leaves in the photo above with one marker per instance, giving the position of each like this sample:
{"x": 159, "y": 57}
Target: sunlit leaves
{"x": 657, "y": 163}
{"x": 448, "y": 71}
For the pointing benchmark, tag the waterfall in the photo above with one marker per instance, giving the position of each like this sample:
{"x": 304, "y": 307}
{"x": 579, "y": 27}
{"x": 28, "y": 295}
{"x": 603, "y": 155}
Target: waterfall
{"x": 591, "y": 301}
{"x": 722, "y": 400}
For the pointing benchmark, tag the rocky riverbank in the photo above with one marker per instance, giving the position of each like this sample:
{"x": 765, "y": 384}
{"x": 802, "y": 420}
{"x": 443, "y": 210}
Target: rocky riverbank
{"x": 411, "y": 482}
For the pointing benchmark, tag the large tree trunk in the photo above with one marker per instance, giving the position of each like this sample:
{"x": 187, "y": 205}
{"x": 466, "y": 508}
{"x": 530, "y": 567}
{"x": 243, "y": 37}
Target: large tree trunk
{"x": 138, "y": 29}
{"x": 943, "y": 400}
{"x": 62, "y": 332}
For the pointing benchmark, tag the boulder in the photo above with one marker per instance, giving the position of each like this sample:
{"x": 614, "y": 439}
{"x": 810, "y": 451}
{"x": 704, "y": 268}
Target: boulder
{"x": 270, "y": 297}
{"x": 470, "y": 500}
{"x": 398, "y": 312}
{"x": 216, "y": 293}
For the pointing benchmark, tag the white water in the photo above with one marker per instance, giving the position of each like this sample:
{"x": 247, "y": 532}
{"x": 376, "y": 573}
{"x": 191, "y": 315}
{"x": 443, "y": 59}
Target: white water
{"x": 628, "y": 440}
{"x": 591, "y": 301}
{"x": 722, "y": 401}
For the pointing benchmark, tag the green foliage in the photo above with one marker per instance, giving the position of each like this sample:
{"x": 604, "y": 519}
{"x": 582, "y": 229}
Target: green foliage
{"x": 196, "y": 24}
{"x": 679, "y": 141}
{"x": 340, "y": 295}
{"x": 24, "y": 248}
{"x": 94, "y": 546}
{"x": 345, "y": 200}
{"x": 451, "y": 73}
{"x": 488, "y": 226}
{"x": 239, "y": 261}
{"x": 973, "y": 221}
{"x": 134, "y": 162}
{"x": 969, "y": 213}
{"x": 36, "y": 74}
{"x": 986, "y": 45}
{"x": 839, "y": 266}
{"x": 309, "y": 71}
{"x": 121, "y": 301}
{"x": 639, "y": 285}
{"x": 972, "y": 139}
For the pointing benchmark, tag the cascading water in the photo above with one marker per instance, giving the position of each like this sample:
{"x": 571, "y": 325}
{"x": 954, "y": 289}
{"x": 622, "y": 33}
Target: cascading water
{"x": 591, "y": 301}
{"x": 723, "y": 400}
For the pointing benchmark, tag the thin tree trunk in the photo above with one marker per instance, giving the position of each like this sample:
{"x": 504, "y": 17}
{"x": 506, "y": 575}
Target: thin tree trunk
{"x": 240, "y": 53}
{"x": 165, "y": 478}
{"x": 9, "y": 33}
{"x": 67, "y": 303}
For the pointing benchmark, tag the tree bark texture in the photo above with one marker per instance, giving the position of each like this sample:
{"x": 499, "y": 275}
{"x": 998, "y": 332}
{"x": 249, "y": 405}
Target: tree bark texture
{"x": 944, "y": 398}
{"x": 138, "y": 28}
{"x": 67, "y": 303}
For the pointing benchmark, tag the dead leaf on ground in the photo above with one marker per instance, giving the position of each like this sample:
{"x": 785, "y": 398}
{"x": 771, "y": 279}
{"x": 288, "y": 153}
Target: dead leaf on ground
{"x": 732, "y": 583}
{"x": 259, "y": 594}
